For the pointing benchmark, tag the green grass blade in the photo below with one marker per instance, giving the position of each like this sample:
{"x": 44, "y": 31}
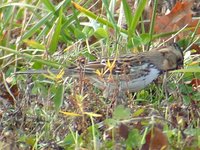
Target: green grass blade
{"x": 151, "y": 30}
{"x": 32, "y": 58}
{"x": 190, "y": 69}
{"x": 36, "y": 27}
{"x": 95, "y": 17}
{"x": 110, "y": 13}
{"x": 20, "y": 5}
{"x": 56, "y": 33}
{"x": 58, "y": 98}
{"x": 49, "y": 5}
{"x": 43, "y": 21}
{"x": 127, "y": 12}
{"x": 136, "y": 17}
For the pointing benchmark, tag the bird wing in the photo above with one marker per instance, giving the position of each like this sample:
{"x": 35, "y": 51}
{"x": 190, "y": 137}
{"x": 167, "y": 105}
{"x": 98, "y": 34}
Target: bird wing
{"x": 125, "y": 67}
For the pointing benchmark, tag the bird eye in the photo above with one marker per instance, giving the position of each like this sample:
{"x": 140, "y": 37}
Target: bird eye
{"x": 179, "y": 61}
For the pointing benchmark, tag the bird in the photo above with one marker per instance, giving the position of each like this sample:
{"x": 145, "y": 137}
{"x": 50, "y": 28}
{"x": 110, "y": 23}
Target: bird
{"x": 130, "y": 72}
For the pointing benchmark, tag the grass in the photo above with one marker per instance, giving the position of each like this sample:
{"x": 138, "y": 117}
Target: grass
{"x": 57, "y": 112}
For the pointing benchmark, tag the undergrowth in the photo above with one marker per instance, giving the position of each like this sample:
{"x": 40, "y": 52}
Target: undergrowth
{"x": 55, "y": 111}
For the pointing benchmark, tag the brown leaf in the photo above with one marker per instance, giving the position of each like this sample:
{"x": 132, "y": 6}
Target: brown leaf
{"x": 195, "y": 84}
{"x": 193, "y": 24}
{"x": 6, "y": 95}
{"x": 156, "y": 140}
{"x": 179, "y": 16}
{"x": 196, "y": 47}
{"x": 123, "y": 131}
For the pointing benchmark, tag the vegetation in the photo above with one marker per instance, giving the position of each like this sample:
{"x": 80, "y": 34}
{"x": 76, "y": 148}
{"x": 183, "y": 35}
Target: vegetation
{"x": 53, "y": 111}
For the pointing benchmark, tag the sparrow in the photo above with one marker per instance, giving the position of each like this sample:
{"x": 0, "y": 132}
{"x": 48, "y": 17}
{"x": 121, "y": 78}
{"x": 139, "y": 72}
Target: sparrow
{"x": 131, "y": 72}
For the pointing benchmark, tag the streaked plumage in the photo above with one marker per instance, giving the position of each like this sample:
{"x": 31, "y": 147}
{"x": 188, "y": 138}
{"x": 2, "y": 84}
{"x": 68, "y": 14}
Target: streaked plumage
{"x": 130, "y": 72}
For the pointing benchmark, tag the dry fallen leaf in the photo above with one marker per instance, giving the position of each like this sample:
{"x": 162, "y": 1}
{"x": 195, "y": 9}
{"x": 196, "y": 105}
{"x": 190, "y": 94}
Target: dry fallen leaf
{"x": 156, "y": 140}
{"x": 195, "y": 84}
{"x": 180, "y": 15}
{"x": 6, "y": 95}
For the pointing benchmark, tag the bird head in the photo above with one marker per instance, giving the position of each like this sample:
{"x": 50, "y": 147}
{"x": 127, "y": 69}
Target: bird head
{"x": 172, "y": 57}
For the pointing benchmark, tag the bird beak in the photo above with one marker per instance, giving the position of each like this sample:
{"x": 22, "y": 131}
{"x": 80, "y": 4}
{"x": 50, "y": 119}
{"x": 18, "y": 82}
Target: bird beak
{"x": 180, "y": 66}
